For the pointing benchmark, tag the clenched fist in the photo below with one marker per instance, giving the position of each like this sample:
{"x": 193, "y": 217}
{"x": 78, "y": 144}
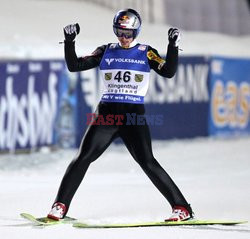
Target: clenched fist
{"x": 174, "y": 37}
{"x": 70, "y": 32}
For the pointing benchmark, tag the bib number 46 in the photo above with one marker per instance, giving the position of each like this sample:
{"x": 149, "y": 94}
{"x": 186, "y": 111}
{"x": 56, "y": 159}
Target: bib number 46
{"x": 123, "y": 76}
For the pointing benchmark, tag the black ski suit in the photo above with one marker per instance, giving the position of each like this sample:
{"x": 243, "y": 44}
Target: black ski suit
{"x": 137, "y": 138}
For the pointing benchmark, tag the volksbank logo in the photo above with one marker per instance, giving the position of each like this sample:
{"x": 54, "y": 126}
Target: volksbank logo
{"x": 109, "y": 61}
{"x": 124, "y": 60}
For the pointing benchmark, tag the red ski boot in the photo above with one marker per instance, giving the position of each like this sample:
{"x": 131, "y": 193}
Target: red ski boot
{"x": 179, "y": 214}
{"x": 57, "y": 211}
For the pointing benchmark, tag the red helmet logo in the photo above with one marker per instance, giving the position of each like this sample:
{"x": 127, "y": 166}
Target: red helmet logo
{"x": 124, "y": 20}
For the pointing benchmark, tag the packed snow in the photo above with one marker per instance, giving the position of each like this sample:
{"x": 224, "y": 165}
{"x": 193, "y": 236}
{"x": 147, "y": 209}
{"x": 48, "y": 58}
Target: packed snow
{"x": 213, "y": 174}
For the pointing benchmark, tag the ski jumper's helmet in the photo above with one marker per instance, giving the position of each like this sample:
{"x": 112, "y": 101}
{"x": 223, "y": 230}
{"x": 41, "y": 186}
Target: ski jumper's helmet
{"x": 127, "y": 19}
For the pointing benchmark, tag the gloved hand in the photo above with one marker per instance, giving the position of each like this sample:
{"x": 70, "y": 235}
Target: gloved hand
{"x": 70, "y": 32}
{"x": 174, "y": 37}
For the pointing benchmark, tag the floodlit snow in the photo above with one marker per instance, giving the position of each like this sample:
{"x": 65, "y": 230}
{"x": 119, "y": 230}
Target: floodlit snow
{"x": 33, "y": 28}
{"x": 214, "y": 175}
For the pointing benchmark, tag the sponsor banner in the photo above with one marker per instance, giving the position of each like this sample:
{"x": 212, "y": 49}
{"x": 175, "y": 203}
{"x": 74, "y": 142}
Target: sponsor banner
{"x": 230, "y": 96}
{"x": 183, "y": 101}
{"x": 29, "y": 97}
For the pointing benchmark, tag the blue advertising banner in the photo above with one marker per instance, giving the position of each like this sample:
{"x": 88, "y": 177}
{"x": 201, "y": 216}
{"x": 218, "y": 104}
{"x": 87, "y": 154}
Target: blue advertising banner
{"x": 183, "y": 100}
{"x": 41, "y": 103}
{"x": 230, "y": 96}
{"x": 29, "y": 98}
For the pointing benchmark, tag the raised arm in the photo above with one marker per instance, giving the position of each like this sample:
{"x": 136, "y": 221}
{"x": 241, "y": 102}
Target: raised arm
{"x": 166, "y": 67}
{"x": 73, "y": 62}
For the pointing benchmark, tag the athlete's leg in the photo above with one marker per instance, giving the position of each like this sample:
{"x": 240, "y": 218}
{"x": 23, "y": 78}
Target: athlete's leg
{"x": 138, "y": 141}
{"x": 94, "y": 143}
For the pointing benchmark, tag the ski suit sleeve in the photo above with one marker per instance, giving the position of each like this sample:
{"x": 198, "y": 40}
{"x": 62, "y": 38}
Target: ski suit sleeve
{"x": 75, "y": 63}
{"x": 165, "y": 67}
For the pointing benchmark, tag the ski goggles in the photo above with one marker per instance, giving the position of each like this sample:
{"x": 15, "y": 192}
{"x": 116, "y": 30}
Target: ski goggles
{"x": 127, "y": 33}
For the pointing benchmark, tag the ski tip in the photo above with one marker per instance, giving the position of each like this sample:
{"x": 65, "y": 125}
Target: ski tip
{"x": 45, "y": 221}
{"x": 25, "y": 215}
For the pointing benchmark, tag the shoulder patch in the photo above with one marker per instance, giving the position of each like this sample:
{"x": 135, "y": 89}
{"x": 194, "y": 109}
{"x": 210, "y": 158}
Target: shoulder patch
{"x": 142, "y": 47}
{"x": 112, "y": 45}
{"x": 154, "y": 57}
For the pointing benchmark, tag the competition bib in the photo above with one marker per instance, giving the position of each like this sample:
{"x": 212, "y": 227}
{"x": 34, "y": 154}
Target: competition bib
{"x": 125, "y": 74}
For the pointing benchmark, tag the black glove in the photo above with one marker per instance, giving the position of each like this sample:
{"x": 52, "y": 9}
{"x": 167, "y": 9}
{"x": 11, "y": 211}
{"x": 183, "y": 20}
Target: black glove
{"x": 71, "y": 31}
{"x": 174, "y": 37}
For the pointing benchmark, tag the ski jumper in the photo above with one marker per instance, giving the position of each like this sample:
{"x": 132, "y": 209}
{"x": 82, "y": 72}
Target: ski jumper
{"x": 126, "y": 79}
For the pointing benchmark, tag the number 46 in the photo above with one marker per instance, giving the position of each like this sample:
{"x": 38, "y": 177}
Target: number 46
{"x": 126, "y": 76}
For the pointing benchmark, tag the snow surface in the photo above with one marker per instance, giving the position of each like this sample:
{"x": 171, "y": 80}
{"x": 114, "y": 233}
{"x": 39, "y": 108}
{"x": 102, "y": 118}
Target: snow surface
{"x": 214, "y": 175}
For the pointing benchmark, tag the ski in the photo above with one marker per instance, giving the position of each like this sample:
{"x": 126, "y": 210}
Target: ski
{"x": 44, "y": 221}
{"x": 156, "y": 224}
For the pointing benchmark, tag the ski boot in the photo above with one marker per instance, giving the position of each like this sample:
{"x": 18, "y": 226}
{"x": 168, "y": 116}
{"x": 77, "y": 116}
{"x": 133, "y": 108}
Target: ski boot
{"x": 180, "y": 214}
{"x": 57, "y": 211}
